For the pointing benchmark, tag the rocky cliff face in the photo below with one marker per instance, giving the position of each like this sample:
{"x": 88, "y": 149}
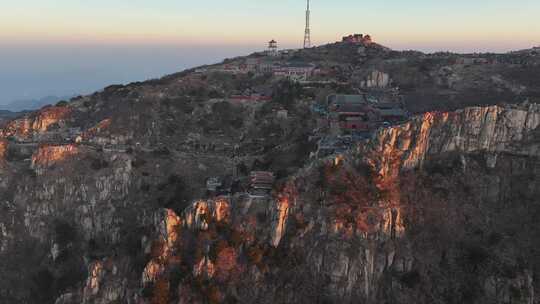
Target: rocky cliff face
{"x": 82, "y": 186}
{"x": 3, "y": 149}
{"x": 48, "y": 155}
{"x": 376, "y": 79}
{"x": 424, "y": 213}
{"x": 441, "y": 209}
{"x": 492, "y": 130}
{"x": 37, "y": 122}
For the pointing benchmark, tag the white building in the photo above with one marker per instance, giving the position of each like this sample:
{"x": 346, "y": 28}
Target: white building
{"x": 295, "y": 71}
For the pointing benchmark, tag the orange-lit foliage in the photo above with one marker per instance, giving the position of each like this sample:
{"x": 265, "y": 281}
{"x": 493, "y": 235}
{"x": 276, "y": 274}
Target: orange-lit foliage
{"x": 388, "y": 162}
{"x": 289, "y": 191}
{"x": 338, "y": 160}
{"x": 38, "y": 122}
{"x": 3, "y": 149}
{"x": 47, "y": 155}
{"x": 206, "y": 217}
{"x": 93, "y": 281}
{"x": 206, "y": 247}
{"x": 173, "y": 223}
{"x": 19, "y": 127}
{"x": 347, "y": 187}
{"x": 362, "y": 204}
{"x": 215, "y": 295}
{"x": 49, "y": 116}
{"x": 244, "y": 232}
{"x": 163, "y": 250}
{"x": 222, "y": 212}
{"x": 226, "y": 264}
{"x": 218, "y": 247}
{"x": 153, "y": 270}
{"x": 100, "y": 127}
{"x": 201, "y": 292}
{"x": 367, "y": 220}
{"x": 161, "y": 292}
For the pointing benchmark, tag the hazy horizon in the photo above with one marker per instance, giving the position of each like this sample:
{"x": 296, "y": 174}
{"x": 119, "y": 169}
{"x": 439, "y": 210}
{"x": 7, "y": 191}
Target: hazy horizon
{"x": 72, "y": 47}
{"x": 61, "y": 70}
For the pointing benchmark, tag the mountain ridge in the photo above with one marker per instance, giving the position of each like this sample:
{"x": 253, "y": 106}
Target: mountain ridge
{"x": 149, "y": 192}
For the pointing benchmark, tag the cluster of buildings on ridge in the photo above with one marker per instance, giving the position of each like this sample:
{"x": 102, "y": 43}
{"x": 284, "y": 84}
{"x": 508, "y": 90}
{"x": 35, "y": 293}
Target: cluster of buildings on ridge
{"x": 348, "y": 119}
{"x": 360, "y": 115}
{"x": 351, "y": 118}
{"x": 345, "y": 118}
{"x": 295, "y": 70}
{"x": 267, "y": 62}
{"x": 357, "y": 39}
{"x": 260, "y": 185}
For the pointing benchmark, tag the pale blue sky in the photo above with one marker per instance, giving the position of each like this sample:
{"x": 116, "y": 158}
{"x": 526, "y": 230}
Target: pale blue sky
{"x": 69, "y": 46}
{"x": 241, "y": 21}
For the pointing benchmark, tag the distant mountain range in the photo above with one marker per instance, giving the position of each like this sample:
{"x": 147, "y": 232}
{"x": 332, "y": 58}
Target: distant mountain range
{"x": 4, "y": 114}
{"x": 31, "y": 104}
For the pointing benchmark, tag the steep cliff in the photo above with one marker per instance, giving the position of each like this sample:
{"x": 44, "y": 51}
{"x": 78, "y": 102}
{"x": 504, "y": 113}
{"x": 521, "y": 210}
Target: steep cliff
{"x": 423, "y": 213}
{"x": 441, "y": 209}
{"x": 3, "y": 149}
{"x": 37, "y": 122}
{"x": 491, "y": 130}
{"x": 81, "y": 185}
{"x": 48, "y": 155}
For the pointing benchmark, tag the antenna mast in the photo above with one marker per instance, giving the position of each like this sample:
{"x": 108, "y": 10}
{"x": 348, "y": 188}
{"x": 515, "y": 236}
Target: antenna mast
{"x": 307, "y": 33}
